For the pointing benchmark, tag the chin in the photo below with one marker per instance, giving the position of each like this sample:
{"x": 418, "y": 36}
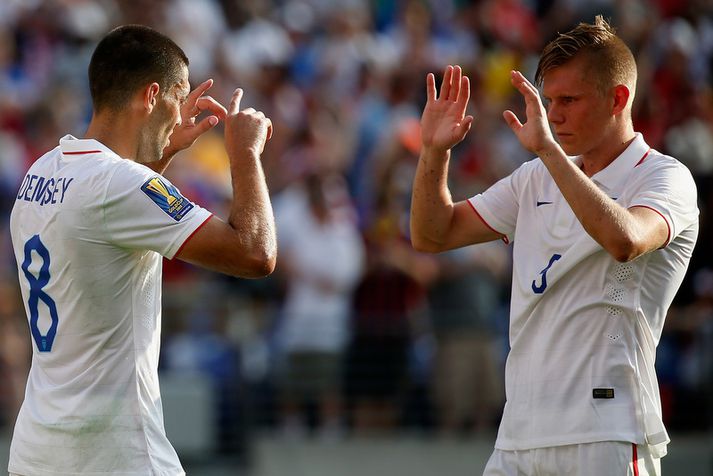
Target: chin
{"x": 570, "y": 149}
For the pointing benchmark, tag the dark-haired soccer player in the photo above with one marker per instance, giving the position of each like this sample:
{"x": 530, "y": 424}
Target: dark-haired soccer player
{"x": 602, "y": 241}
{"x": 89, "y": 228}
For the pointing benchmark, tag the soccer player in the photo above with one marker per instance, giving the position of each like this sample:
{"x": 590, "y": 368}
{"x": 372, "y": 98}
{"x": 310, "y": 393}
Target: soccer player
{"x": 603, "y": 228}
{"x": 92, "y": 220}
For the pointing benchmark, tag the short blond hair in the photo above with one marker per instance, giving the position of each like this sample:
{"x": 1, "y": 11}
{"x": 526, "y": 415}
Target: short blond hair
{"x": 609, "y": 61}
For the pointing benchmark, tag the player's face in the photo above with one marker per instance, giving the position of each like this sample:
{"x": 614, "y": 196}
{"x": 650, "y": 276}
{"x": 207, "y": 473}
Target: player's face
{"x": 577, "y": 110}
{"x": 165, "y": 117}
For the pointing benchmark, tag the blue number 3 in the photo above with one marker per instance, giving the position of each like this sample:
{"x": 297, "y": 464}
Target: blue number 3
{"x": 543, "y": 285}
{"x": 37, "y": 294}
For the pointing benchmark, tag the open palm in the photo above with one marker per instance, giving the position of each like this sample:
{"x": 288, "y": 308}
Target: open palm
{"x": 443, "y": 123}
{"x": 534, "y": 134}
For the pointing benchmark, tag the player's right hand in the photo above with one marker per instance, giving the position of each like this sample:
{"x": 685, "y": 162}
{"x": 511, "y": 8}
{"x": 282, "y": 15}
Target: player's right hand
{"x": 443, "y": 122}
{"x": 246, "y": 131}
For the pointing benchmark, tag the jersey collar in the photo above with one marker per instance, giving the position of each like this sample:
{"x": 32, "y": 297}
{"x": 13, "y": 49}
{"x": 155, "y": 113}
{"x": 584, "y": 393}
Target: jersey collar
{"x": 614, "y": 174}
{"x": 71, "y": 147}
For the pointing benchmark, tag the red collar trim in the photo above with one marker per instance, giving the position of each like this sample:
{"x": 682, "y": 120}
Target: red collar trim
{"x": 643, "y": 158}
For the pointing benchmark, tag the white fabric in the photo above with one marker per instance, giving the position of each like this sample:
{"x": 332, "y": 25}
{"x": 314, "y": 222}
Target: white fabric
{"x": 92, "y": 403}
{"x": 614, "y": 458}
{"x": 593, "y": 322}
{"x": 327, "y": 261}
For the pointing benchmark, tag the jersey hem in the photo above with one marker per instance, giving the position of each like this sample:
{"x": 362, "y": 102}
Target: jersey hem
{"x": 503, "y": 237}
{"x": 509, "y": 445}
{"x": 668, "y": 225}
{"x": 188, "y": 238}
{"x": 34, "y": 471}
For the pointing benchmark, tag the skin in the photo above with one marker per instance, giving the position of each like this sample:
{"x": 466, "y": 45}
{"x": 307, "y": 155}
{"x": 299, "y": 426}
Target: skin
{"x": 596, "y": 125}
{"x": 155, "y": 125}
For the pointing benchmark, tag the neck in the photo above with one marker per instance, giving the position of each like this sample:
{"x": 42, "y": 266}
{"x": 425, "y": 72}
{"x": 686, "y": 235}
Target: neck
{"x": 117, "y": 131}
{"x": 607, "y": 151}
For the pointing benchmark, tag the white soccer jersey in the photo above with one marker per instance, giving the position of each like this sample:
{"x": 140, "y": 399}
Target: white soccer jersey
{"x": 88, "y": 229}
{"x": 584, "y": 327}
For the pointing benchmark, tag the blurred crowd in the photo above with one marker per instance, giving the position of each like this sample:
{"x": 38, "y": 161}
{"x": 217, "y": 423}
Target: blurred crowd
{"x": 355, "y": 332}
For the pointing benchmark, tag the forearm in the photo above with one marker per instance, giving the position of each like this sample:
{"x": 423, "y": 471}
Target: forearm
{"x": 251, "y": 212}
{"x": 431, "y": 202}
{"x": 607, "y": 222}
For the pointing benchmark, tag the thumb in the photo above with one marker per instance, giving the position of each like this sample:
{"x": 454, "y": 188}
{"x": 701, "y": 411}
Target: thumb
{"x": 512, "y": 121}
{"x": 465, "y": 126}
{"x": 204, "y": 126}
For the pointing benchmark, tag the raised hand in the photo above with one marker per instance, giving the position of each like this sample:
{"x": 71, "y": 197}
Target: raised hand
{"x": 185, "y": 135}
{"x": 535, "y": 134}
{"x": 247, "y": 130}
{"x": 443, "y": 122}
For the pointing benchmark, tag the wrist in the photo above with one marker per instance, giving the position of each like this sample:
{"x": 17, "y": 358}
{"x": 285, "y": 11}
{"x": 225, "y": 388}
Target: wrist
{"x": 434, "y": 153}
{"x": 549, "y": 150}
{"x": 243, "y": 155}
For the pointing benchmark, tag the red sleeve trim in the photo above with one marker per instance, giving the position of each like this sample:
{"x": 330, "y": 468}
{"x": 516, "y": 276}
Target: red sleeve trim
{"x": 191, "y": 235}
{"x": 82, "y": 152}
{"x": 502, "y": 237}
{"x": 668, "y": 238}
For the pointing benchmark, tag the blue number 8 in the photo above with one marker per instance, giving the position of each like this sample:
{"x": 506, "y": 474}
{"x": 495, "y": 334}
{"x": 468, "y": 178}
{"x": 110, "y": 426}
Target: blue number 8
{"x": 539, "y": 289}
{"x": 44, "y": 342}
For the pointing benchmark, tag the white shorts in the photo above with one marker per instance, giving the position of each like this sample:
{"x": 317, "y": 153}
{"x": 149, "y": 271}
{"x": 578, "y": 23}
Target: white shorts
{"x": 612, "y": 458}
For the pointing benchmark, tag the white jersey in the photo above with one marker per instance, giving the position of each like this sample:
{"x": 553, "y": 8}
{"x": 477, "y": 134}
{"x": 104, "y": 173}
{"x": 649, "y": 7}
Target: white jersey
{"x": 88, "y": 229}
{"x": 584, "y": 327}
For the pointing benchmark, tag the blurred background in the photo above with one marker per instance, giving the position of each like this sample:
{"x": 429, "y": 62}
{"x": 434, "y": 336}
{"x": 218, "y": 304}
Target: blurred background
{"x": 358, "y": 355}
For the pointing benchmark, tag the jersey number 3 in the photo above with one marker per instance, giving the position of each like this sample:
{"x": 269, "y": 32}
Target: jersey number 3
{"x": 540, "y": 288}
{"x": 37, "y": 293}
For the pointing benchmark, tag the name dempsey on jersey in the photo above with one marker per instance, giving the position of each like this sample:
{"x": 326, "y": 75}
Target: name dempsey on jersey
{"x": 167, "y": 197}
{"x": 42, "y": 190}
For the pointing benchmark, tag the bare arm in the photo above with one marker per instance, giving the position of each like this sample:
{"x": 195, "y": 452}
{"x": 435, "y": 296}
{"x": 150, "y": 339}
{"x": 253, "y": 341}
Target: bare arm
{"x": 437, "y": 224}
{"x": 246, "y": 245}
{"x": 624, "y": 233}
{"x": 185, "y": 135}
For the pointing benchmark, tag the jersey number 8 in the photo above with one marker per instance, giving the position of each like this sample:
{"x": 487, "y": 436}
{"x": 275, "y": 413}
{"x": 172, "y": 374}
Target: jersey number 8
{"x": 37, "y": 293}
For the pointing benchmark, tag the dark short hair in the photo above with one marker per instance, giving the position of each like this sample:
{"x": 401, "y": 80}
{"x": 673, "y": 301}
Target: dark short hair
{"x": 128, "y": 58}
{"x": 610, "y": 61}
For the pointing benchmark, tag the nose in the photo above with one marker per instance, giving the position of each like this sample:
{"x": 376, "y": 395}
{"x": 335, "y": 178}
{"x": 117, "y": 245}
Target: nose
{"x": 554, "y": 115}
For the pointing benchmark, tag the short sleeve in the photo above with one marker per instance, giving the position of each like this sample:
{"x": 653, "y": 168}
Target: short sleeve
{"x": 667, "y": 187}
{"x": 499, "y": 205}
{"x": 143, "y": 210}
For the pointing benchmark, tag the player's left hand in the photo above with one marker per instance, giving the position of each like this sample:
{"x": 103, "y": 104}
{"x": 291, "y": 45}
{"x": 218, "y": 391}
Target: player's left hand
{"x": 535, "y": 134}
{"x": 185, "y": 135}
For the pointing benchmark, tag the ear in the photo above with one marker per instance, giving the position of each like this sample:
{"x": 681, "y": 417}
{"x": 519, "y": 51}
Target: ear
{"x": 621, "y": 98}
{"x": 150, "y": 96}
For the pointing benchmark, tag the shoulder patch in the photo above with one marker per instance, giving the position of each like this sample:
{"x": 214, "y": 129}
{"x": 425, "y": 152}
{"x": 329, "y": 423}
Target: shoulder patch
{"x": 167, "y": 197}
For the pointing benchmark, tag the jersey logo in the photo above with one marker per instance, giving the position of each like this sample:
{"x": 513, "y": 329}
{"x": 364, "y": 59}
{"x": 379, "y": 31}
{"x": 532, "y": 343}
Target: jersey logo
{"x": 167, "y": 197}
{"x": 539, "y": 203}
{"x": 602, "y": 393}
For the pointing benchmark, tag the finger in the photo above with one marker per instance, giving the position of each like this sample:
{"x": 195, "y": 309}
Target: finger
{"x": 512, "y": 121}
{"x": 203, "y": 126}
{"x": 455, "y": 84}
{"x": 249, "y": 110}
{"x": 430, "y": 87}
{"x": 198, "y": 91}
{"x": 269, "y": 128}
{"x": 446, "y": 83}
{"x": 464, "y": 127}
{"x": 526, "y": 88}
{"x": 464, "y": 95}
{"x": 234, "y": 106}
{"x": 207, "y": 103}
